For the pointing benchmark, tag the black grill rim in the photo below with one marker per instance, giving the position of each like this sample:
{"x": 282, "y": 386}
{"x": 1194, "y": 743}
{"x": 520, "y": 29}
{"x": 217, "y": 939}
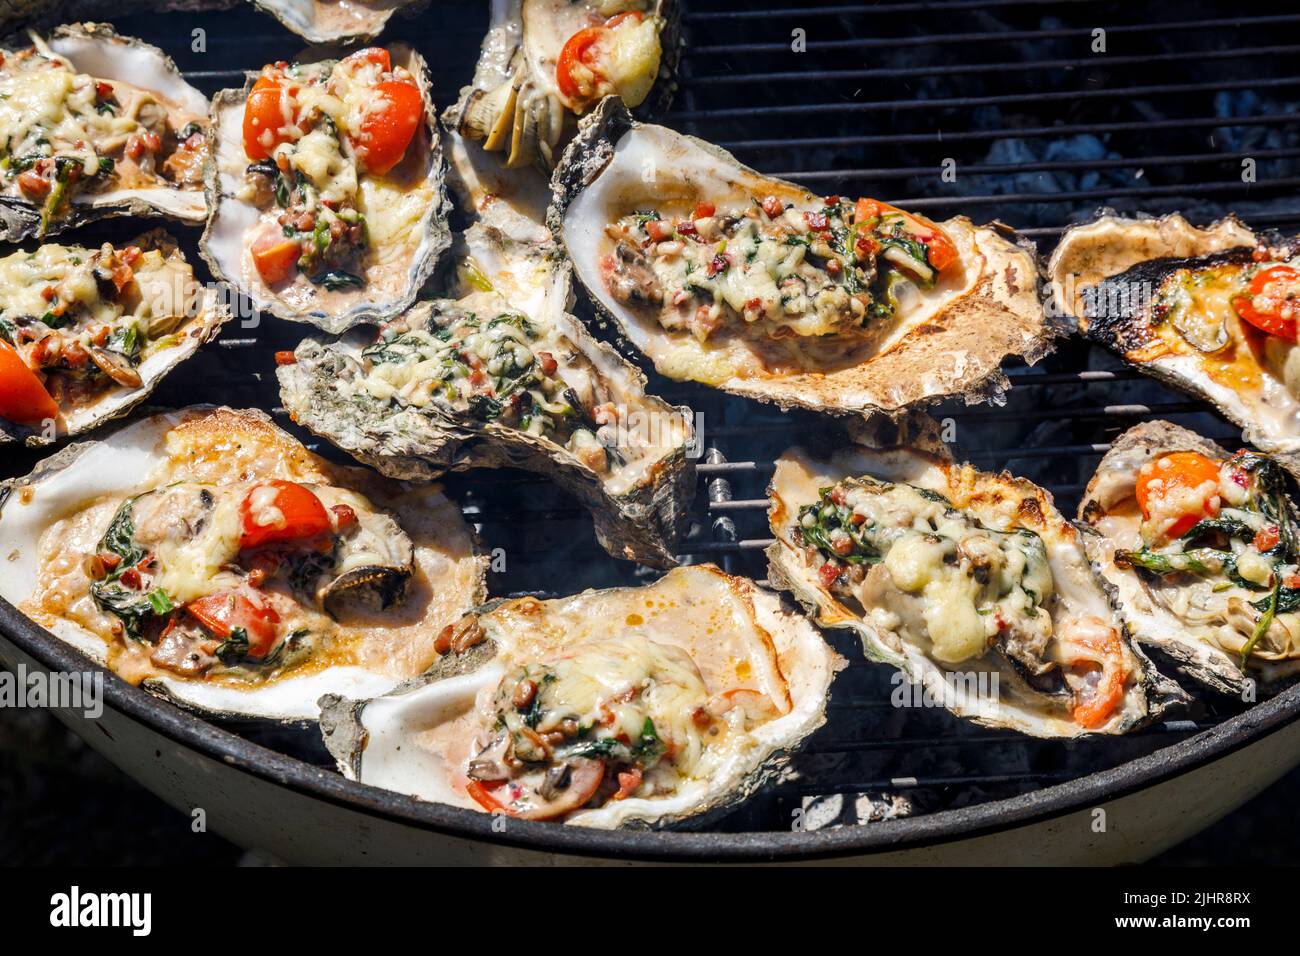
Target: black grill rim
{"x": 942, "y": 827}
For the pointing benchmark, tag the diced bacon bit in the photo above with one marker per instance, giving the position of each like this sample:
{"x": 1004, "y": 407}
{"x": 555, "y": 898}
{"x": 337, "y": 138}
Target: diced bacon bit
{"x": 680, "y": 296}
{"x": 74, "y": 355}
{"x": 658, "y": 230}
{"x": 833, "y": 267}
{"x": 866, "y": 247}
{"x": 1266, "y": 539}
{"x": 772, "y": 206}
{"x": 344, "y": 517}
{"x": 828, "y": 572}
{"x": 285, "y": 358}
{"x": 140, "y": 144}
{"x": 817, "y": 221}
{"x": 703, "y": 210}
{"x": 103, "y": 91}
{"x": 110, "y": 560}
{"x": 837, "y": 496}
{"x": 753, "y": 310}
{"x": 33, "y": 185}
{"x": 842, "y": 545}
{"x": 131, "y": 255}
{"x": 1292, "y": 581}
{"x": 628, "y": 781}
{"x": 857, "y": 519}
{"x": 548, "y": 363}
{"x": 687, "y": 228}
{"x": 48, "y": 293}
{"x": 719, "y": 263}
{"x": 257, "y": 577}
{"x": 131, "y": 578}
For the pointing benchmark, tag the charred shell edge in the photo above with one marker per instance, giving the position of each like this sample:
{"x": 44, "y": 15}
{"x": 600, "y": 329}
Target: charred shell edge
{"x": 643, "y": 525}
{"x": 1213, "y": 668}
{"x": 592, "y": 149}
{"x": 21, "y": 220}
{"x": 437, "y": 232}
{"x": 218, "y": 313}
{"x": 1160, "y": 692}
{"x": 405, "y": 7}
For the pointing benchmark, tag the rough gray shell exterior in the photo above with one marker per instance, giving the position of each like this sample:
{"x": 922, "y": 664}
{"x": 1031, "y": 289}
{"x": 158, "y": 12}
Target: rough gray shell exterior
{"x": 421, "y": 444}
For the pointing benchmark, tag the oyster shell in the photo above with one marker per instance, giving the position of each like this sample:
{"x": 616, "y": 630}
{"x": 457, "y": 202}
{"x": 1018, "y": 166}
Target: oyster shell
{"x": 337, "y": 21}
{"x": 738, "y": 683}
{"x": 357, "y": 619}
{"x": 184, "y": 318}
{"x": 939, "y": 593}
{"x": 405, "y": 212}
{"x": 134, "y": 69}
{"x": 1160, "y": 293}
{"x": 1201, "y": 621}
{"x": 643, "y": 480}
{"x": 516, "y": 105}
{"x": 943, "y": 340}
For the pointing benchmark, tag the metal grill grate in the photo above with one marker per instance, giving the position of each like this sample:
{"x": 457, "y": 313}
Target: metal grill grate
{"x": 1042, "y": 131}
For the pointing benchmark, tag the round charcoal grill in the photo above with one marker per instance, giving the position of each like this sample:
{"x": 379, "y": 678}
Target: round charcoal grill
{"x": 1017, "y": 110}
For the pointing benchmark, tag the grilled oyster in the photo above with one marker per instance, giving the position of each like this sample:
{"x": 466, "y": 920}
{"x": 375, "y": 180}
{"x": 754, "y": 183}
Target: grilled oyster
{"x": 971, "y": 583}
{"x": 87, "y": 334}
{"x": 337, "y": 21}
{"x": 1201, "y": 548}
{"x": 208, "y": 556}
{"x": 755, "y": 286}
{"x": 96, "y": 125}
{"x": 545, "y": 61}
{"x": 327, "y": 195}
{"x": 647, "y": 706}
{"x": 547, "y": 397}
{"x": 1210, "y": 311}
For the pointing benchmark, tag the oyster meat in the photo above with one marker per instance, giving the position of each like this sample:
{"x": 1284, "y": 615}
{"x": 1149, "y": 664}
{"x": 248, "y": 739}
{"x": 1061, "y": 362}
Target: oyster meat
{"x": 972, "y": 584}
{"x": 208, "y": 556}
{"x": 546, "y": 61}
{"x": 753, "y": 285}
{"x": 326, "y": 190}
{"x": 86, "y": 334}
{"x": 1201, "y": 548}
{"x": 337, "y": 21}
{"x": 1209, "y": 311}
{"x": 651, "y": 706}
{"x": 95, "y": 125}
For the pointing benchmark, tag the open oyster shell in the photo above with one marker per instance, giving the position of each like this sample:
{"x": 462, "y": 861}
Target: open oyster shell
{"x": 739, "y": 639}
{"x": 207, "y": 314}
{"x": 514, "y": 104}
{"x": 509, "y": 264}
{"x": 1158, "y": 292}
{"x": 95, "y": 49}
{"x": 404, "y": 256}
{"x": 1000, "y": 687}
{"x": 951, "y": 343}
{"x": 1202, "y": 640}
{"x": 337, "y": 21}
{"x": 52, "y": 520}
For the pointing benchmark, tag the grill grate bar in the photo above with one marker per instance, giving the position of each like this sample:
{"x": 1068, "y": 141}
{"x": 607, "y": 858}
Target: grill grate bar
{"x": 872, "y": 9}
{"x": 1100, "y": 195}
{"x": 1038, "y": 132}
{"x": 1071, "y": 165}
{"x": 971, "y": 102}
{"x": 1002, "y": 36}
{"x": 968, "y": 69}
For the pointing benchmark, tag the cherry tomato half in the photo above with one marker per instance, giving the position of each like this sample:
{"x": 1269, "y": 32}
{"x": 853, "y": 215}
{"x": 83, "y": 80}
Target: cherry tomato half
{"x": 1270, "y": 301}
{"x": 1178, "y": 473}
{"x": 23, "y": 397}
{"x": 279, "y": 511}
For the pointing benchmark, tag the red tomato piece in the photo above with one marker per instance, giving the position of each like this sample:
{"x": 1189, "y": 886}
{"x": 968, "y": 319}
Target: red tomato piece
{"x": 279, "y": 511}
{"x": 23, "y": 397}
